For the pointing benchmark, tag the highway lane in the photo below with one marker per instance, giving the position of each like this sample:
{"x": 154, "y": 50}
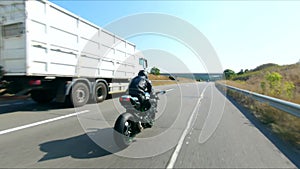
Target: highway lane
{"x": 53, "y": 144}
{"x": 64, "y": 143}
{"x": 236, "y": 143}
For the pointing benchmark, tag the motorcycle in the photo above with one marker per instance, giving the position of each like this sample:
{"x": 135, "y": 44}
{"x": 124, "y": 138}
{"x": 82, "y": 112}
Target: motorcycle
{"x": 135, "y": 119}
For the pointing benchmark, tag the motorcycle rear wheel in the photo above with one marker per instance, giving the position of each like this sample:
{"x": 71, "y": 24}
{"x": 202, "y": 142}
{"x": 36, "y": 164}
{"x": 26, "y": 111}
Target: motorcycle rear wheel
{"x": 125, "y": 127}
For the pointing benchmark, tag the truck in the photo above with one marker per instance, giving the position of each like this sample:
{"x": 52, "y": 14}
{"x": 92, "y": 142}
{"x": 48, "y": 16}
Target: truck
{"x": 50, "y": 53}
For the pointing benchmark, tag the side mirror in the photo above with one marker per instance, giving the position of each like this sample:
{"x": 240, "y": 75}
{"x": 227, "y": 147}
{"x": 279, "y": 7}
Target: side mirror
{"x": 172, "y": 78}
{"x": 143, "y": 62}
{"x": 146, "y": 64}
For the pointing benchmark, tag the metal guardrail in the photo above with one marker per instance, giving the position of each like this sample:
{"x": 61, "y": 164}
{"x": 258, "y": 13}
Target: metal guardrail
{"x": 289, "y": 107}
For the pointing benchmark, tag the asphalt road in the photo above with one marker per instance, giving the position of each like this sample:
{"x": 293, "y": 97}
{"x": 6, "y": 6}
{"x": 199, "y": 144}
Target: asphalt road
{"x": 196, "y": 127}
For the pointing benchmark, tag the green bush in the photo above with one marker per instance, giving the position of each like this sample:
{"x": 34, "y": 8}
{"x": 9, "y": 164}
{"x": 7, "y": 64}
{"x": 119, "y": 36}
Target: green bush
{"x": 274, "y": 81}
{"x": 263, "y": 87}
{"x": 289, "y": 89}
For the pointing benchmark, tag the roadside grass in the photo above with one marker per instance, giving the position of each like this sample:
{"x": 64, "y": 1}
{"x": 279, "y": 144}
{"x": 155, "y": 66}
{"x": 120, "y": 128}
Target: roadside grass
{"x": 252, "y": 81}
{"x": 285, "y": 125}
{"x": 162, "y": 82}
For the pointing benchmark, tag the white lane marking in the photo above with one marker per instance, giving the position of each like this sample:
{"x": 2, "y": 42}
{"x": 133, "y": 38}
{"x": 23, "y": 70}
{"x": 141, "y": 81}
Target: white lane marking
{"x": 185, "y": 132}
{"x": 168, "y": 90}
{"x": 18, "y": 103}
{"x": 3, "y": 105}
{"x": 41, "y": 122}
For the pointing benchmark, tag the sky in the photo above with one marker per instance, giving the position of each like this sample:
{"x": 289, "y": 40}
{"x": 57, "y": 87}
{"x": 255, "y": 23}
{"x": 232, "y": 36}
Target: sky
{"x": 244, "y": 34}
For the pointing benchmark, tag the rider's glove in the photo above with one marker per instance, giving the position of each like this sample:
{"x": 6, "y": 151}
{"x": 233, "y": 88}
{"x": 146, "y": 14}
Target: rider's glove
{"x": 147, "y": 95}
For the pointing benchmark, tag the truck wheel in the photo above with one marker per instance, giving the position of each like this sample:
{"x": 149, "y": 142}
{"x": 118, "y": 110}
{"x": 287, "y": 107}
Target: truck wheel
{"x": 100, "y": 92}
{"x": 80, "y": 94}
{"x": 42, "y": 96}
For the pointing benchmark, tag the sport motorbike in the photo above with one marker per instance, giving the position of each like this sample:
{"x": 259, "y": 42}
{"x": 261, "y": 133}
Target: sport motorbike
{"x": 135, "y": 118}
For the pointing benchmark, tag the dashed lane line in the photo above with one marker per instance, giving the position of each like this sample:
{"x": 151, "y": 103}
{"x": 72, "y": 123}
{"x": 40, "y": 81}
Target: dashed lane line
{"x": 185, "y": 132}
{"x": 41, "y": 122}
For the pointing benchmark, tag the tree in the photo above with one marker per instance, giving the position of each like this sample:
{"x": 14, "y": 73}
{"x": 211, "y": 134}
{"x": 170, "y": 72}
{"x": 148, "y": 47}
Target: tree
{"x": 229, "y": 74}
{"x": 240, "y": 72}
{"x": 155, "y": 71}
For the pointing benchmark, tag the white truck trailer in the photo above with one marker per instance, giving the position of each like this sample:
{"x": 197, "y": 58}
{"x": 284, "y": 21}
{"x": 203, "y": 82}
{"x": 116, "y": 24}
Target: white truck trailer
{"x": 51, "y": 53}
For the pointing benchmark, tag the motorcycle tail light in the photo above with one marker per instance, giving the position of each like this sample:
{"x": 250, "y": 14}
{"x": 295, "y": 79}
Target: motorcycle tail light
{"x": 124, "y": 99}
{"x": 35, "y": 82}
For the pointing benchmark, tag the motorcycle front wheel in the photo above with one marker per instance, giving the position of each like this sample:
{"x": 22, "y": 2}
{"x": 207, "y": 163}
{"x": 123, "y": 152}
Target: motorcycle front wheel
{"x": 125, "y": 130}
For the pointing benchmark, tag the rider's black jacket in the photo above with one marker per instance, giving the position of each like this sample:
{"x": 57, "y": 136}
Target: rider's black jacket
{"x": 139, "y": 85}
{"x": 138, "y": 88}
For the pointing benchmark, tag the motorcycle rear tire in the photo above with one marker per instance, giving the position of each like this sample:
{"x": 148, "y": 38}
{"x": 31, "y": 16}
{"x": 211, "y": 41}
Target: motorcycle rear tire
{"x": 122, "y": 138}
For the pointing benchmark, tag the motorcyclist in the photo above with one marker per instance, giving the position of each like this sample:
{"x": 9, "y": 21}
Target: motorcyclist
{"x": 141, "y": 87}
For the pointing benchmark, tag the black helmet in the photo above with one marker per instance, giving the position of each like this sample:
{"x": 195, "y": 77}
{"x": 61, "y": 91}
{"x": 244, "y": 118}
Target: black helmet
{"x": 143, "y": 73}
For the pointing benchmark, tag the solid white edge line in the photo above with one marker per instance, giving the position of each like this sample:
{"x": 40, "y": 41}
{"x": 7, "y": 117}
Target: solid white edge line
{"x": 40, "y": 122}
{"x": 181, "y": 140}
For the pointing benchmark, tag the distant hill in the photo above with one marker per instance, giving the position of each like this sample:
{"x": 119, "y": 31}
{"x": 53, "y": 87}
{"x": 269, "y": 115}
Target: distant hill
{"x": 265, "y": 66}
